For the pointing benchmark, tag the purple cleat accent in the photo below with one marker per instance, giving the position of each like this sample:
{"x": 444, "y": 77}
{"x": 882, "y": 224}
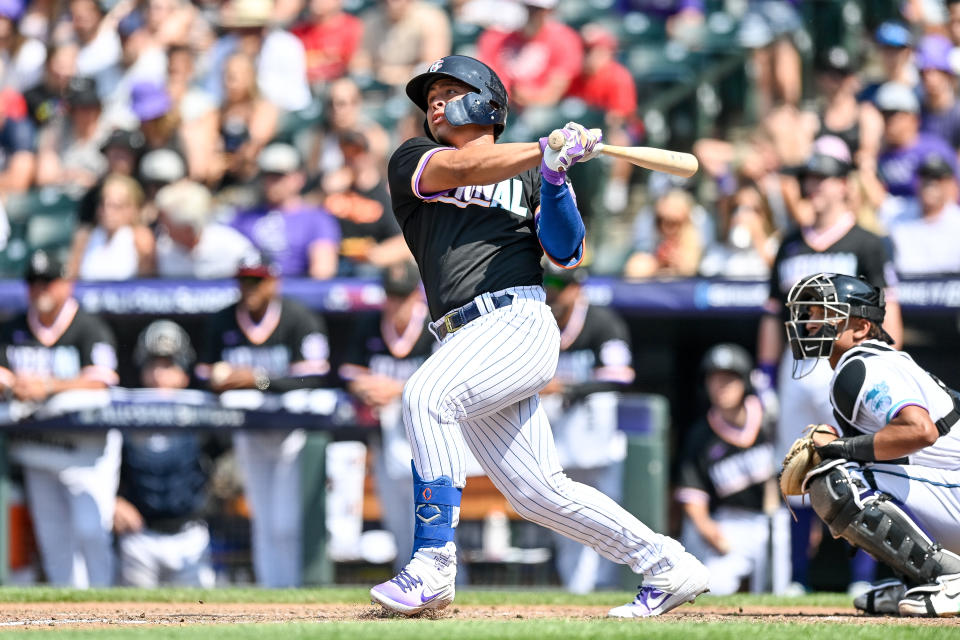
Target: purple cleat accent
{"x": 423, "y": 584}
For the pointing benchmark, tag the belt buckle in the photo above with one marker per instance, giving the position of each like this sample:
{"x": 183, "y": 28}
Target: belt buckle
{"x": 448, "y": 323}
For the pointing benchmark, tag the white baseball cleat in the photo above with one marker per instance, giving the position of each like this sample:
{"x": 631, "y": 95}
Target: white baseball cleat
{"x": 881, "y": 598}
{"x": 940, "y": 599}
{"x": 427, "y": 582}
{"x": 692, "y": 580}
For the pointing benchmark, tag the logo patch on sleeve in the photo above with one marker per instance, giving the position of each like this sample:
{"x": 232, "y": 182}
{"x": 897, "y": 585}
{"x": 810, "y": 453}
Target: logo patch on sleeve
{"x": 878, "y": 398}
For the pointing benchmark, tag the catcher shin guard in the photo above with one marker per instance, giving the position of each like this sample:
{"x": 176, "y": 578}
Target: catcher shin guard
{"x": 879, "y": 527}
{"x": 436, "y": 506}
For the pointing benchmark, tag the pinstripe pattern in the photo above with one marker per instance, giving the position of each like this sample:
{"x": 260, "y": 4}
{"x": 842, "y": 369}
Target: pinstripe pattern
{"x": 479, "y": 391}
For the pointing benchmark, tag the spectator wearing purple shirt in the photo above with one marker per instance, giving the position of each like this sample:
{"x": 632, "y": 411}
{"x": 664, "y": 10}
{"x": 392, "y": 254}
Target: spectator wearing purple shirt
{"x": 940, "y": 113}
{"x": 300, "y": 239}
{"x": 904, "y": 144}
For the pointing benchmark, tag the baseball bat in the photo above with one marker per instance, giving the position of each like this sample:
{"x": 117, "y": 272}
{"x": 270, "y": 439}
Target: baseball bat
{"x": 674, "y": 162}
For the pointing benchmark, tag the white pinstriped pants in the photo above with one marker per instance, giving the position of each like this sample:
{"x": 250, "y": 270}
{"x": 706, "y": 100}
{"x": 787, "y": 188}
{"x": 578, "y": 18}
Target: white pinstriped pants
{"x": 479, "y": 391}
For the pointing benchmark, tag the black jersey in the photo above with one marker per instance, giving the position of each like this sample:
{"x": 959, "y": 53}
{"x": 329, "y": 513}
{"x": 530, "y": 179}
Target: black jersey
{"x": 289, "y": 342}
{"x": 845, "y": 248}
{"x": 594, "y": 351}
{"x": 77, "y": 344}
{"x": 377, "y": 346}
{"x": 469, "y": 240}
{"x": 728, "y": 466}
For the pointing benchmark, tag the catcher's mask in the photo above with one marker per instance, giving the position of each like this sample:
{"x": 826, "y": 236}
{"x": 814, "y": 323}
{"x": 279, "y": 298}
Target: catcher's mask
{"x": 820, "y": 307}
{"x": 486, "y": 104}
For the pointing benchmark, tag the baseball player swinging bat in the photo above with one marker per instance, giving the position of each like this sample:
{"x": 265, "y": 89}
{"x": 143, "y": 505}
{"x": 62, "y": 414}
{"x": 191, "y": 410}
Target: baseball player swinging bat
{"x": 675, "y": 162}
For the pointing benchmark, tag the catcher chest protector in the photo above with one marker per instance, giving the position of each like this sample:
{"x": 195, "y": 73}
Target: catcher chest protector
{"x": 878, "y": 526}
{"x": 486, "y": 105}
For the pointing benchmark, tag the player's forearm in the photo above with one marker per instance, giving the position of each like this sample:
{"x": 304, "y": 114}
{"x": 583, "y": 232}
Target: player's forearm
{"x": 55, "y": 386}
{"x": 911, "y": 430}
{"x": 478, "y": 165}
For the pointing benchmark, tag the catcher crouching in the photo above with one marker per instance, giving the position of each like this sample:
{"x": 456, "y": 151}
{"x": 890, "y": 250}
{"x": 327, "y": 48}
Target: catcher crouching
{"x": 890, "y": 483}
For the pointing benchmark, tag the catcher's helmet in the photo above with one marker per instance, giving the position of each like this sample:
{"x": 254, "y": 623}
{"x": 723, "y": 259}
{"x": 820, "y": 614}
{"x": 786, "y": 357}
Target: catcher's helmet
{"x": 164, "y": 339}
{"x": 487, "y": 104}
{"x": 812, "y": 333}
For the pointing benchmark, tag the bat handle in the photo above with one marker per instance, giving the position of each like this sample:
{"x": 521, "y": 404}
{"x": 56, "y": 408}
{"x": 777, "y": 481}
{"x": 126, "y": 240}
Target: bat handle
{"x": 556, "y": 139}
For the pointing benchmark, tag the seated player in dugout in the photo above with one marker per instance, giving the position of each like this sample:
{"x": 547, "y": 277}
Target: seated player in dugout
{"x": 889, "y": 482}
{"x": 478, "y": 217}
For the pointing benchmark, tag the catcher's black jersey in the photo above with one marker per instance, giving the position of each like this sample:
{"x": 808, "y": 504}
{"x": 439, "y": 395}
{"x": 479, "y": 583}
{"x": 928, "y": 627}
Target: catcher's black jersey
{"x": 377, "y": 346}
{"x": 594, "y": 347}
{"x": 288, "y": 341}
{"x": 468, "y": 240}
{"x": 854, "y": 252}
{"x": 728, "y": 466}
{"x": 77, "y": 344}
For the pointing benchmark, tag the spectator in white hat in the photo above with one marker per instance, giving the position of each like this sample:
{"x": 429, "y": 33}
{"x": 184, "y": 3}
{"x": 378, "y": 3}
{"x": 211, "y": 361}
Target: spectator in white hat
{"x": 189, "y": 244}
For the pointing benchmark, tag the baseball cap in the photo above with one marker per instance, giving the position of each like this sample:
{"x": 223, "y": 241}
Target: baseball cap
{"x": 838, "y": 60}
{"x": 82, "y": 92}
{"x": 162, "y": 165}
{"x": 894, "y": 96}
{"x": 125, "y": 139}
{"x": 256, "y": 264}
{"x": 400, "y": 279}
{"x": 934, "y": 165}
{"x": 12, "y": 9}
{"x": 164, "y": 339}
{"x": 933, "y": 52}
{"x": 596, "y": 35}
{"x": 186, "y": 203}
{"x": 893, "y": 34}
{"x": 44, "y": 266}
{"x": 727, "y": 356}
{"x": 830, "y": 158}
{"x": 541, "y": 4}
{"x": 279, "y": 157}
{"x": 149, "y": 100}
{"x": 130, "y": 24}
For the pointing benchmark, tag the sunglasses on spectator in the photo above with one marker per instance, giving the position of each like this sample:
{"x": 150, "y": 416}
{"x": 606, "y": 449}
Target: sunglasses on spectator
{"x": 668, "y": 222}
{"x": 249, "y": 281}
{"x": 42, "y": 281}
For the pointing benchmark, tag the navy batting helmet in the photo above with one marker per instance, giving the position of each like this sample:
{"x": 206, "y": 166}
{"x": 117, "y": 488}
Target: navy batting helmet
{"x": 487, "y": 104}
{"x": 836, "y": 298}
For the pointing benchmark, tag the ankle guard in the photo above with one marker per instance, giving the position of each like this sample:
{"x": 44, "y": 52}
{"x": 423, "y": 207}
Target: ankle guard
{"x": 878, "y": 526}
{"x": 436, "y": 507}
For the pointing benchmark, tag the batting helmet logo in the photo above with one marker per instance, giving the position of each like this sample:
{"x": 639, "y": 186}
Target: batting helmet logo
{"x": 436, "y": 66}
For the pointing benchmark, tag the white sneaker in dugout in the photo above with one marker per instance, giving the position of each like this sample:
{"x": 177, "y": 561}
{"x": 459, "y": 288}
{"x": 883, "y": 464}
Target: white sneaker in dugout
{"x": 881, "y": 598}
{"x": 941, "y": 599}
{"x": 427, "y": 582}
{"x": 687, "y": 580}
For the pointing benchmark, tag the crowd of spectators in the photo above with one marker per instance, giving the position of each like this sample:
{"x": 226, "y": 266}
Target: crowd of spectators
{"x": 187, "y": 135}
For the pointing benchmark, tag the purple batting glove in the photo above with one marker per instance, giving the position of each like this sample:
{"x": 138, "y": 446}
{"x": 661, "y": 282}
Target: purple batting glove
{"x": 548, "y": 155}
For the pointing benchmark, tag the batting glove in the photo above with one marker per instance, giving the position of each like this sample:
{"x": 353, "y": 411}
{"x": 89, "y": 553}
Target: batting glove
{"x": 555, "y": 163}
{"x": 589, "y": 138}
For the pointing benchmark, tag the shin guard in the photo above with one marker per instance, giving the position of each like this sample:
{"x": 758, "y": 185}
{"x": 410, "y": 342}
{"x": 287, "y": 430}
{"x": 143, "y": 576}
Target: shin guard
{"x": 436, "y": 506}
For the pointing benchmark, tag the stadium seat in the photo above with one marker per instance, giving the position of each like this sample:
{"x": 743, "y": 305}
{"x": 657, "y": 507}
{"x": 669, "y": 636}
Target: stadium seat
{"x": 51, "y": 229}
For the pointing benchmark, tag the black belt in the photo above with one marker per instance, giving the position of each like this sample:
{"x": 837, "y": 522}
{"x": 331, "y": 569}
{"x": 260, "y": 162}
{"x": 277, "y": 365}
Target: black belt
{"x": 457, "y": 318}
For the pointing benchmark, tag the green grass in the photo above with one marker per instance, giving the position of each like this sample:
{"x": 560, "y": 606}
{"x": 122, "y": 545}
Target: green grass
{"x": 516, "y": 630}
{"x": 346, "y": 595}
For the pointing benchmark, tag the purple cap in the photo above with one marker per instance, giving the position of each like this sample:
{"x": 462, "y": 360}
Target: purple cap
{"x": 12, "y": 9}
{"x": 149, "y": 100}
{"x": 933, "y": 52}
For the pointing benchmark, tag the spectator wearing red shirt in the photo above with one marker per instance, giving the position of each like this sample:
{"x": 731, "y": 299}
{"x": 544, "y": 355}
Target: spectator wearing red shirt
{"x": 538, "y": 62}
{"x": 607, "y": 85}
{"x": 604, "y": 83}
{"x": 330, "y": 36}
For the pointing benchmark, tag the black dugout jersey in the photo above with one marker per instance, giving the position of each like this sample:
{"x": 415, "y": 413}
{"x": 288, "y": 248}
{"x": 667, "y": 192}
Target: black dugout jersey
{"x": 386, "y": 353}
{"x": 725, "y": 465}
{"x": 594, "y": 351}
{"x": 288, "y": 342}
{"x": 78, "y": 344}
{"x": 469, "y": 240}
{"x": 857, "y": 252}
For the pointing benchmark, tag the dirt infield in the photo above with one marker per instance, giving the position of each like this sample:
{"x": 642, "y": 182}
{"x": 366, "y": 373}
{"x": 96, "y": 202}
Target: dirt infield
{"x": 93, "y": 615}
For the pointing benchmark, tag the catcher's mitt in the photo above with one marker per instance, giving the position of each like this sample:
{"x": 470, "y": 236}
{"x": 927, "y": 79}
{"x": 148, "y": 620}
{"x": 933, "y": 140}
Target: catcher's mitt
{"x": 801, "y": 458}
